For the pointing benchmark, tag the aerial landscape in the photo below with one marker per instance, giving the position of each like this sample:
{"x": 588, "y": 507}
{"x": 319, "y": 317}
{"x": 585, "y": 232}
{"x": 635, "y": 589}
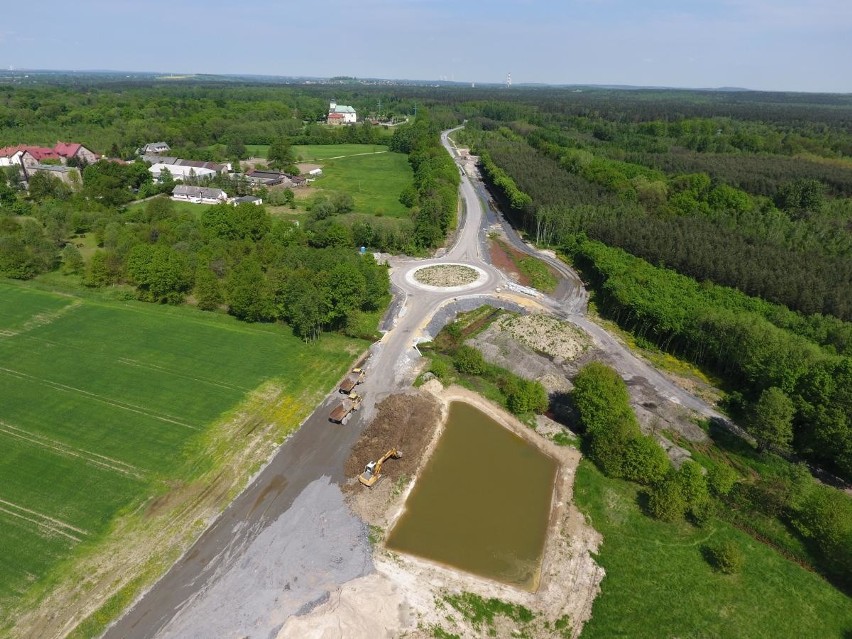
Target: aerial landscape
{"x": 416, "y": 333}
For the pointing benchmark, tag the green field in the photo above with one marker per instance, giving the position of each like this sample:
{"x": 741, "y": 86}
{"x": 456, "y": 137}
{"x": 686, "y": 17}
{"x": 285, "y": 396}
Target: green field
{"x": 106, "y": 403}
{"x": 375, "y": 181}
{"x": 179, "y": 207}
{"x": 658, "y": 584}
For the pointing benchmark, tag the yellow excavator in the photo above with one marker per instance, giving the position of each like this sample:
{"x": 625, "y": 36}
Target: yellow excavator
{"x": 373, "y": 471}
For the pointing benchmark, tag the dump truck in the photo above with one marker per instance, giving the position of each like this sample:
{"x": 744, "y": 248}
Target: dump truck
{"x": 346, "y": 406}
{"x": 373, "y": 471}
{"x": 352, "y": 380}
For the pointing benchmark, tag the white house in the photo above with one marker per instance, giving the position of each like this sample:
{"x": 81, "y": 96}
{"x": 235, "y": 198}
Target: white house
{"x": 156, "y": 148}
{"x": 341, "y": 114}
{"x": 198, "y": 194}
{"x": 12, "y": 156}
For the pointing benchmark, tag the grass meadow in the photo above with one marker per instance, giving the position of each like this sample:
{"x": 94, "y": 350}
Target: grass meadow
{"x": 105, "y": 404}
{"x": 658, "y": 583}
{"x": 375, "y": 181}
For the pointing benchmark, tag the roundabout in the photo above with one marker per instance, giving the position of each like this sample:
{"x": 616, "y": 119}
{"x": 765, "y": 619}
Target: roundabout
{"x": 447, "y": 277}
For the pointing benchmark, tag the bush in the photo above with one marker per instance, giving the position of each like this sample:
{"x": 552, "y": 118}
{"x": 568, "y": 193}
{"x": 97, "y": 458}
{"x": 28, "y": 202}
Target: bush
{"x": 440, "y": 369}
{"x": 645, "y": 461}
{"x": 666, "y": 500}
{"x": 824, "y": 516}
{"x": 526, "y": 396}
{"x": 721, "y": 479}
{"x": 469, "y": 361}
{"x": 694, "y": 488}
{"x": 615, "y": 442}
{"x": 726, "y": 557}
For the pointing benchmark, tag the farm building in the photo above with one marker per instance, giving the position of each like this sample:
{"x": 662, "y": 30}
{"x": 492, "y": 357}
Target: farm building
{"x": 341, "y": 114}
{"x": 266, "y": 178}
{"x": 64, "y": 173}
{"x": 199, "y": 194}
{"x": 181, "y": 172}
{"x": 183, "y": 169}
{"x": 245, "y": 199}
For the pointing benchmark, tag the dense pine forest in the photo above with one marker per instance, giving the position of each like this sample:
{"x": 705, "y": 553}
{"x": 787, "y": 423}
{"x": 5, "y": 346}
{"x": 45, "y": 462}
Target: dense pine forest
{"x": 734, "y": 216}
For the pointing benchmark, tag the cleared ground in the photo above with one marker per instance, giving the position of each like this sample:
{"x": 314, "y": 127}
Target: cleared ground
{"x": 659, "y": 585}
{"x": 106, "y": 404}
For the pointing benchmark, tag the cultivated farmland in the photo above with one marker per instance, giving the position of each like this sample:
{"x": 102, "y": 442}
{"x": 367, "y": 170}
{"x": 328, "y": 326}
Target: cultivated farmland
{"x": 106, "y": 404}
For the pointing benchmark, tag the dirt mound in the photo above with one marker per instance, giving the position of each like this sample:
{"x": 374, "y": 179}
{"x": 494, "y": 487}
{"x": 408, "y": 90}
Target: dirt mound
{"x": 404, "y": 421}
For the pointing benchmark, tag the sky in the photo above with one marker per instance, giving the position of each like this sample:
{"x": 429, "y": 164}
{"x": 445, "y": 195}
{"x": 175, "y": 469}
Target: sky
{"x": 774, "y": 45}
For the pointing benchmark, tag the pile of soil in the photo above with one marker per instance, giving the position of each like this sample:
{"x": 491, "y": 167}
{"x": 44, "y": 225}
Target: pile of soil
{"x": 406, "y": 422}
{"x": 446, "y": 275}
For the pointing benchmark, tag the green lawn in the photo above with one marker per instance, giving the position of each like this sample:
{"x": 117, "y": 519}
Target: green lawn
{"x": 105, "y": 403}
{"x": 658, "y": 584}
{"x": 180, "y": 207}
{"x": 374, "y": 181}
{"x": 315, "y": 152}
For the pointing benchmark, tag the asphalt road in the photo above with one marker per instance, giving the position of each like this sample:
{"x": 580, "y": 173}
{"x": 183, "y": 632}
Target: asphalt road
{"x": 210, "y": 591}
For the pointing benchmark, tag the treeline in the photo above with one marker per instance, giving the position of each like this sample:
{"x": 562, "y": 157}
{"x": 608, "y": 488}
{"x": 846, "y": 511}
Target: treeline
{"x": 237, "y": 259}
{"x": 756, "y": 174}
{"x": 433, "y": 197}
{"x": 794, "y": 249}
{"x": 190, "y": 116}
{"x": 809, "y": 282}
{"x": 810, "y": 387}
{"x": 819, "y": 515}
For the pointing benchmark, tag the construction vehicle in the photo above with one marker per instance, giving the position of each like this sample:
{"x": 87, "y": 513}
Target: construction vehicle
{"x": 346, "y": 406}
{"x": 352, "y": 380}
{"x": 373, "y": 471}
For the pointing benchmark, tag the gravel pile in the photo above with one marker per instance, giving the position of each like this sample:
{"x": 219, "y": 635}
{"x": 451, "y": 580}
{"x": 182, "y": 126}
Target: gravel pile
{"x": 546, "y": 334}
{"x": 446, "y": 275}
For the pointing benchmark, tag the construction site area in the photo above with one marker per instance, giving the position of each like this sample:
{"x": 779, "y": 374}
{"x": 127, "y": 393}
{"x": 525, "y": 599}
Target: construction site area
{"x": 415, "y": 597}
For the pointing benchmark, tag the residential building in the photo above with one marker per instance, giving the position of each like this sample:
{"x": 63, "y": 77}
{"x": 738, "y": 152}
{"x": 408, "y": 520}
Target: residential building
{"x": 73, "y": 150}
{"x": 199, "y": 194}
{"x": 14, "y": 156}
{"x": 157, "y": 148}
{"x": 341, "y": 114}
{"x": 62, "y": 152}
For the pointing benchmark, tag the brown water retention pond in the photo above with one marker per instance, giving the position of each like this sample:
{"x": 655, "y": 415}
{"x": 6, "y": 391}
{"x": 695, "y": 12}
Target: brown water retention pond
{"x": 482, "y": 503}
